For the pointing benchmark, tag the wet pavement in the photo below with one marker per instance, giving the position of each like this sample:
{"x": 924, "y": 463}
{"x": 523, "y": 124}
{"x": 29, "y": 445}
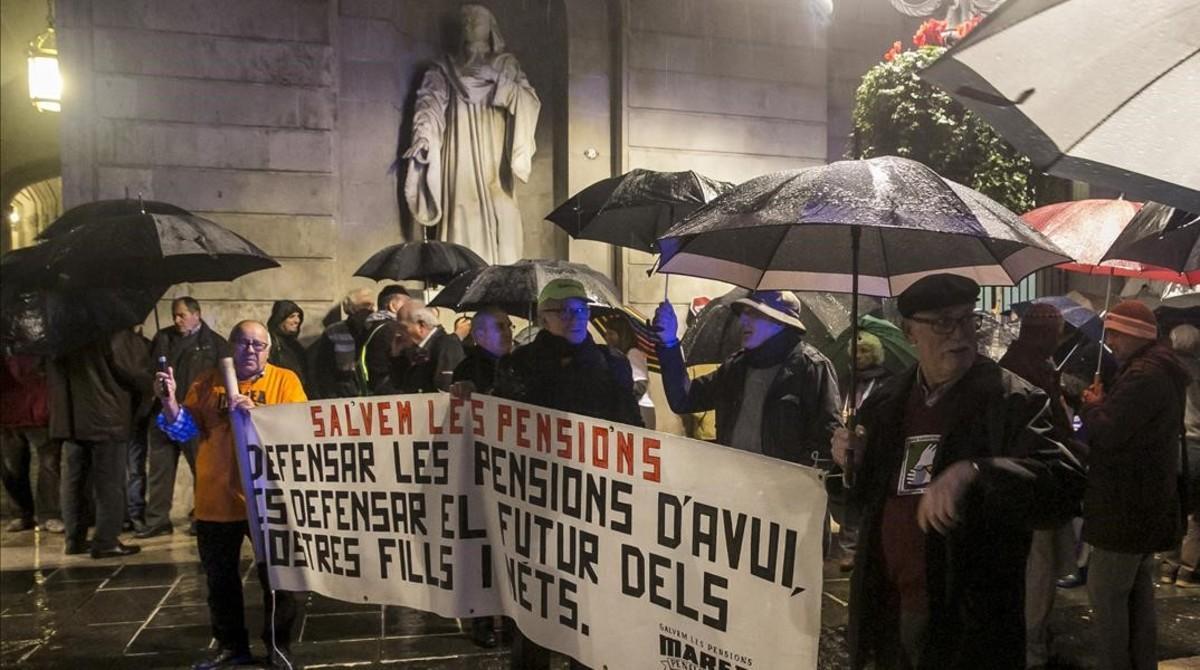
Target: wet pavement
{"x": 148, "y": 611}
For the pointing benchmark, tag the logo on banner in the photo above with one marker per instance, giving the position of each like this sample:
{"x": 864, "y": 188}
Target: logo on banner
{"x": 678, "y": 650}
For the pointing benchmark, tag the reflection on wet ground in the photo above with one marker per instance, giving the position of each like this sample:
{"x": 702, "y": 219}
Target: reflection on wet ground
{"x": 149, "y": 611}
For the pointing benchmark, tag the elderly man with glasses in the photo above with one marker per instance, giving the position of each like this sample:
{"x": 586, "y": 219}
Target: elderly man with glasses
{"x": 955, "y": 464}
{"x": 220, "y": 503}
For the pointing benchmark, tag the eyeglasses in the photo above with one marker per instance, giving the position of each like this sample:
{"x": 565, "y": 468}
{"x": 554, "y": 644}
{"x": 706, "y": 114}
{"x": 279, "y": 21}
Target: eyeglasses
{"x": 568, "y": 313}
{"x": 949, "y": 324}
{"x": 257, "y": 346}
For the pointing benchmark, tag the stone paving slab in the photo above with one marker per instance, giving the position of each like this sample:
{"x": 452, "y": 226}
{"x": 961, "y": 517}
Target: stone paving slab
{"x": 148, "y": 611}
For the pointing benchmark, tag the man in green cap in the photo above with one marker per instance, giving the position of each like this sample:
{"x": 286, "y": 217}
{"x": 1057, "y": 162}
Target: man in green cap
{"x": 564, "y": 369}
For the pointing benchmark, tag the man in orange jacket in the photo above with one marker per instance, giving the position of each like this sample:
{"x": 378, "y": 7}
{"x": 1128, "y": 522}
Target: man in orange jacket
{"x": 220, "y": 503}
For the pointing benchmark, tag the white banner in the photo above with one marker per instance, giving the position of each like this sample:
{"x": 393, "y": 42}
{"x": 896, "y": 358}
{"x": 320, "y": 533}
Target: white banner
{"x": 622, "y": 547}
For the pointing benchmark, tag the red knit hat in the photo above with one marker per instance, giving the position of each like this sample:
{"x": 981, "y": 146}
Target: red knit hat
{"x": 1041, "y": 319}
{"x": 1132, "y": 318}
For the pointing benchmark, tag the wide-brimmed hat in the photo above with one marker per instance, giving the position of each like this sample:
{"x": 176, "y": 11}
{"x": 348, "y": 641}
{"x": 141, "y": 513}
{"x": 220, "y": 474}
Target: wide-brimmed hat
{"x": 780, "y": 306}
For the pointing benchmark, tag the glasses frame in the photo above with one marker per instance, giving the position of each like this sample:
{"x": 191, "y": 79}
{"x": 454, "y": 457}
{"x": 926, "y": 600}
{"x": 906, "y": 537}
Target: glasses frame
{"x": 254, "y": 345}
{"x": 947, "y": 325}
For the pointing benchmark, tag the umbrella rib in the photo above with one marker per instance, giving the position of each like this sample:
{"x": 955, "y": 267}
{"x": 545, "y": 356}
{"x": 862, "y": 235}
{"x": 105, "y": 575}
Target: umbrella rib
{"x": 1121, "y": 106}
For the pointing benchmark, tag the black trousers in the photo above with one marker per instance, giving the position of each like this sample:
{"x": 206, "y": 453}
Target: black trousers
{"x": 103, "y": 463}
{"x": 220, "y": 545}
{"x": 18, "y": 449}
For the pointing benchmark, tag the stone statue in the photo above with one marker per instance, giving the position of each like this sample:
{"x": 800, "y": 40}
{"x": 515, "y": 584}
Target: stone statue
{"x": 473, "y": 132}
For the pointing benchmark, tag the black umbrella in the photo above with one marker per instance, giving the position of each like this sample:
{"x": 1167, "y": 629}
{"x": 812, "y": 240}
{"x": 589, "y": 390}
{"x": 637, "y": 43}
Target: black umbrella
{"x": 515, "y": 288}
{"x": 431, "y": 261}
{"x": 886, "y": 221}
{"x": 135, "y": 250}
{"x": 53, "y": 322}
{"x": 100, "y": 210}
{"x": 634, "y": 209}
{"x": 1164, "y": 236}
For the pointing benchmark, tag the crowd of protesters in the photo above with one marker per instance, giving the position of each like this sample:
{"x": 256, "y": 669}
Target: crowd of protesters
{"x": 967, "y": 488}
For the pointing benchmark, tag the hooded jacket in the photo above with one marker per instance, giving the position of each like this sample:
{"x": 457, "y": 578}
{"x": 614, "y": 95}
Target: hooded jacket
{"x": 286, "y": 350}
{"x": 801, "y": 407}
{"x": 975, "y": 575}
{"x": 1132, "y": 503}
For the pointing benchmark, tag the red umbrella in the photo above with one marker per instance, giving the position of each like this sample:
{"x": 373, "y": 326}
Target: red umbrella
{"x": 1085, "y": 229}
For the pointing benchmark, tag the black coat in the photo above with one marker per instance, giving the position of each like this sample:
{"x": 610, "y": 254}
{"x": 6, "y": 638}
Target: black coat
{"x": 479, "y": 368}
{"x": 976, "y": 574}
{"x": 94, "y": 390}
{"x": 430, "y": 368}
{"x": 190, "y": 355}
{"x": 801, "y": 410}
{"x": 584, "y": 379}
{"x": 1132, "y": 501}
{"x": 286, "y": 350}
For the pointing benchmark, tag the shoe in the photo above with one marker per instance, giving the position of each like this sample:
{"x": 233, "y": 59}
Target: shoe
{"x": 53, "y": 526}
{"x": 117, "y": 551}
{"x": 18, "y": 525}
{"x": 846, "y": 564}
{"x": 1167, "y": 572}
{"x": 228, "y": 658}
{"x": 148, "y": 532}
{"x": 483, "y": 632}
{"x": 137, "y": 525}
{"x": 76, "y": 548}
{"x": 1187, "y": 578}
{"x": 1073, "y": 580}
{"x": 281, "y": 659}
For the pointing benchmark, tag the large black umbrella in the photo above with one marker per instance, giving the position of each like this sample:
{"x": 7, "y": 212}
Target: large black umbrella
{"x": 431, "y": 261}
{"x": 634, "y": 209}
{"x": 515, "y": 288}
{"x": 100, "y": 210}
{"x": 1164, "y": 236}
{"x": 1102, "y": 91}
{"x": 136, "y": 250}
{"x": 872, "y": 226}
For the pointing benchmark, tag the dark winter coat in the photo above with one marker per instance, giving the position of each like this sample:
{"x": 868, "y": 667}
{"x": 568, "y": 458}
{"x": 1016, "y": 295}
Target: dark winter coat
{"x": 23, "y": 392}
{"x": 976, "y": 574}
{"x": 286, "y": 350}
{"x": 333, "y": 359}
{"x": 93, "y": 390}
{"x": 479, "y": 368}
{"x": 1132, "y": 502}
{"x": 1030, "y": 360}
{"x": 801, "y": 410}
{"x": 585, "y": 379}
{"x": 190, "y": 355}
{"x": 429, "y": 369}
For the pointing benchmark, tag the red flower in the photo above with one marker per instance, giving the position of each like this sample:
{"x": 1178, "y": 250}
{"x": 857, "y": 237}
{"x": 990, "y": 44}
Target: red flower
{"x": 893, "y": 52}
{"x": 964, "y": 28}
{"x": 930, "y": 33}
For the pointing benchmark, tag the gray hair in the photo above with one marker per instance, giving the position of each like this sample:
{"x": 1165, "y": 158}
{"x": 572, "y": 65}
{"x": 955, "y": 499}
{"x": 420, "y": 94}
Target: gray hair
{"x": 1186, "y": 339}
{"x": 423, "y": 315}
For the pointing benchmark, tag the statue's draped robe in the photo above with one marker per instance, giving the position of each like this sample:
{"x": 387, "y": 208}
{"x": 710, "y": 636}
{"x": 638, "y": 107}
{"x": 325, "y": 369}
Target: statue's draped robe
{"x": 479, "y": 123}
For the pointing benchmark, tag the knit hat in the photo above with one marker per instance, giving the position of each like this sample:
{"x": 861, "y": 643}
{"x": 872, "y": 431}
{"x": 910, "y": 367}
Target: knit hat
{"x": 1040, "y": 318}
{"x": 558, "y": 290}
{"x": 1132, "y": 318}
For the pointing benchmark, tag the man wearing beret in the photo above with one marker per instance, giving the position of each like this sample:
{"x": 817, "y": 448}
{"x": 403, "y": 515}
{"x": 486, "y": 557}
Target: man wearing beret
{"x": 955, "y": 464}
{"x": 1131, "y": 508}
{"x": 776, "y": 396}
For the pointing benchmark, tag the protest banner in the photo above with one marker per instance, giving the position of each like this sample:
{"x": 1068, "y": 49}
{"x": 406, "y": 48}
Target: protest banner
{"x": 622, "y": 547}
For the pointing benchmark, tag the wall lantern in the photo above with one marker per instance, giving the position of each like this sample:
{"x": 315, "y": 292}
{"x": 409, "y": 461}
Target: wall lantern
{"x": 45, "y": 82}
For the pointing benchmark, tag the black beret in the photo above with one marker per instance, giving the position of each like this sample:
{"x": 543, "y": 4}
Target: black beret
{"x": 937, "y": 291}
